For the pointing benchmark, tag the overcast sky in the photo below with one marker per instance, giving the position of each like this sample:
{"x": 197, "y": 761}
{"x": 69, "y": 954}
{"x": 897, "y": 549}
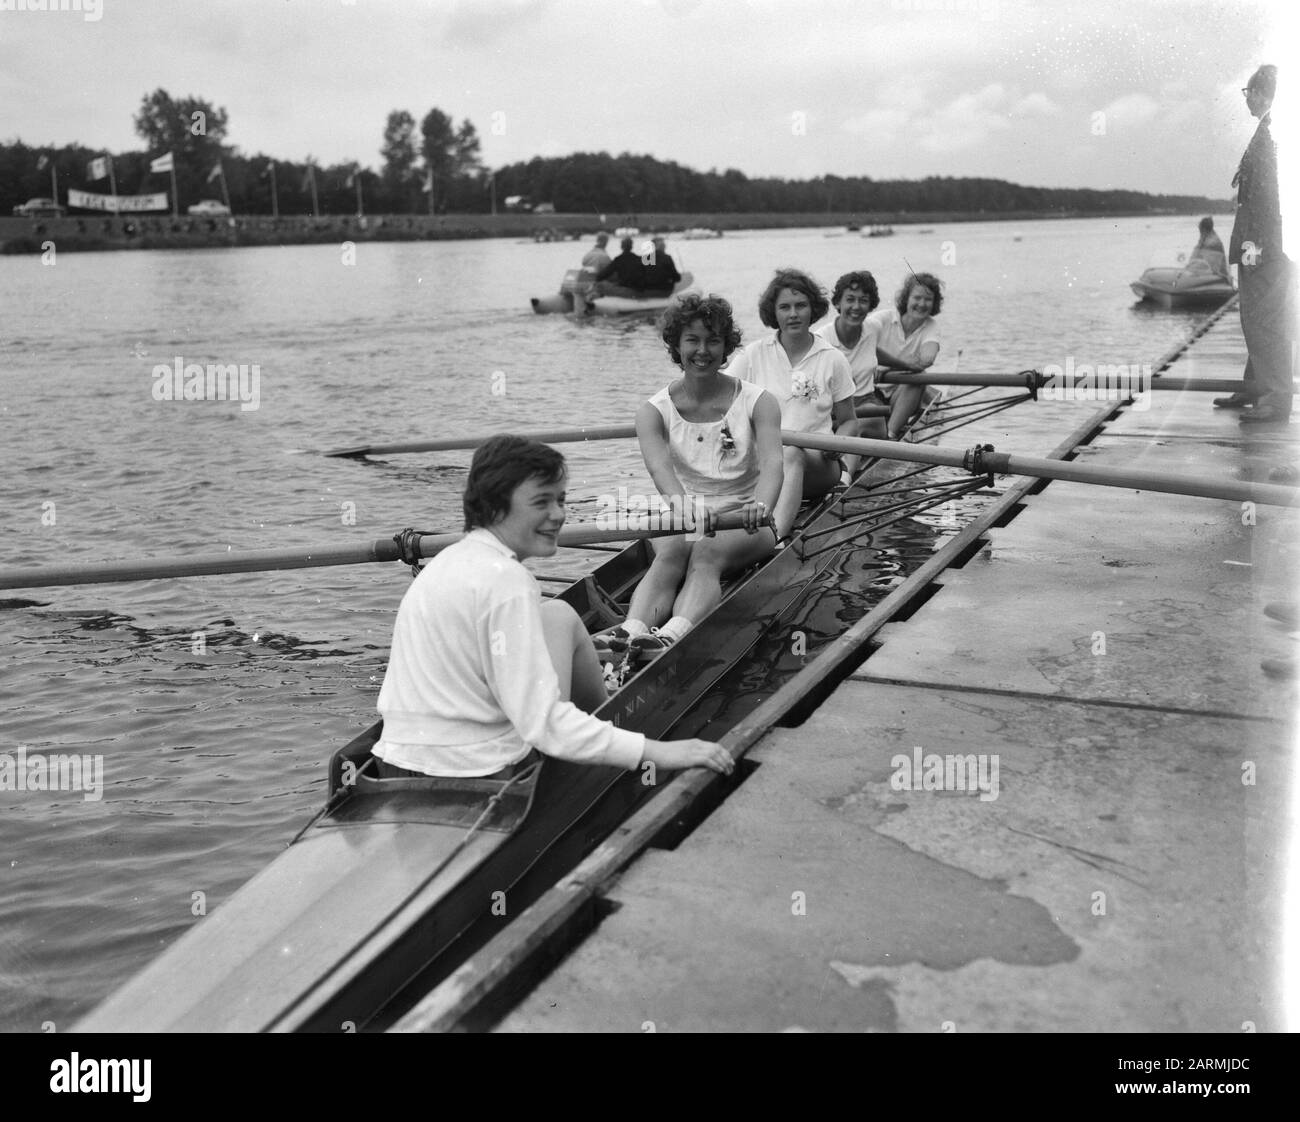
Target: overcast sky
{"x": 1138, "y": 94}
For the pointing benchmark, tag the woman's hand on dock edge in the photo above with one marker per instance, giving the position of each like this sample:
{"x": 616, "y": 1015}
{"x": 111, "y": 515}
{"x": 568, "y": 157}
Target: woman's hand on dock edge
{"x": 677, "y": 755}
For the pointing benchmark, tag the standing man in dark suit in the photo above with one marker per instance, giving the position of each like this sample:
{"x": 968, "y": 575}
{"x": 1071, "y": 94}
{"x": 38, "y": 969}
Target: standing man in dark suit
{"x": 1265, "y": 273}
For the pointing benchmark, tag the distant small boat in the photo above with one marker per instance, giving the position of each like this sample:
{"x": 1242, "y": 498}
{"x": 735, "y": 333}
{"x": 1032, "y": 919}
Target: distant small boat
{"x": 627, "y": 231}
{"x": 573, "y": 299}
{"x": 1193, "y": 285}
{"x": 879, "y": 232}
{"x": 699, "y": 233}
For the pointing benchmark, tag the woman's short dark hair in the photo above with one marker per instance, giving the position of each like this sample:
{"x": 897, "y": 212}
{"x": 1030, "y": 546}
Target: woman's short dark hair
{"x": 928, "y": 280}
{"x": 861, "y": 279}
{"x": 501, "y": 464}
{"x": 799, "y": 282}
{"x": 713, "y": 310}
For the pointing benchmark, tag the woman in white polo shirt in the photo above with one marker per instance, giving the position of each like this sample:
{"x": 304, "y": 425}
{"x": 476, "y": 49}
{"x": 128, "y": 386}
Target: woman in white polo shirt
{"x": 908, "y": 341}
{"x": 481, "y": 671}
{"x": 810, "y": 380}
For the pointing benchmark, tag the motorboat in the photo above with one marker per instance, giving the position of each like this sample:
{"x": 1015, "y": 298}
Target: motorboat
{"x": 575, "y": 298}
{"x": 1189, "y": 285}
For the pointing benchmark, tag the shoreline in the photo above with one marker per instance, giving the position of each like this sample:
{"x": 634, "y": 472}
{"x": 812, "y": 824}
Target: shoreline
{"x": 114, "y": 232}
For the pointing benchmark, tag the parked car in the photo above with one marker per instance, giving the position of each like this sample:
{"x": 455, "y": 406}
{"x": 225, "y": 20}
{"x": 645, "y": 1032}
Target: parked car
{"x": 208, "y": 208}
{"x": 39, "y": 208}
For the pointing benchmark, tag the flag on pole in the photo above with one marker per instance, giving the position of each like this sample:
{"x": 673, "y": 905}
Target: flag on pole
{"x": 428, "y": 182}
{"x": 306, "y": 178}
{"x": 43, "y": 162}
{"x": 163, "y": 163}
{"x": 216, "y": 171}
{"x": 97, "y": 168}
{"x": 351, "y": 179}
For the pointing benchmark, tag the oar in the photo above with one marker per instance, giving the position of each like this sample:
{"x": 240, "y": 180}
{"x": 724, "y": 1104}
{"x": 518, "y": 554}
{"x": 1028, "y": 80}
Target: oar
{"x": 639, "y": 525}
{"x": 984, "y": 459}
{"x": 457, "y": 443}
{"x": 1035, "y": 379}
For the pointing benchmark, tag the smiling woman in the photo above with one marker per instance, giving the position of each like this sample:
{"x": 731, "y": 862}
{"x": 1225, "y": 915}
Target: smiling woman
{"x": 481, "y": 673}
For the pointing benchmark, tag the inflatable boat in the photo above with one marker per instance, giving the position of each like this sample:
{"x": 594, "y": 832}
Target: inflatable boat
{"x": 1193, "y": 285}
{"x": 573, "y": 299}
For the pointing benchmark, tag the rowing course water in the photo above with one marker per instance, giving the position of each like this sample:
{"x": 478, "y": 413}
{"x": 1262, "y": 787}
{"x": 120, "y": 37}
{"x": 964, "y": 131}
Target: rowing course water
{"x": 214, "y": 702}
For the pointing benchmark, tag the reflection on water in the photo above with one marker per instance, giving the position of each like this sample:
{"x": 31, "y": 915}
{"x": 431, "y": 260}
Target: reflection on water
{"x": 213, "y": 759}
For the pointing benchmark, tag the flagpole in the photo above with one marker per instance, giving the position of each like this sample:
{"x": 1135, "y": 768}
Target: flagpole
{"x": 176, "y": 195}
{"x": 356, "y": 175}
{"x": 275, "y": 202}
{"x": 315, "y": 203}
{"x": 112, "y": 182}
{"x": 54, "y": 182}
{"x": 225, "y": 190}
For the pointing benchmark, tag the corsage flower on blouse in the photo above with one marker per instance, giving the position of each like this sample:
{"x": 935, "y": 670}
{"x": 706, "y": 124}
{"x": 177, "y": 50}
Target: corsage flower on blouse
{"x": 802, "y": 386}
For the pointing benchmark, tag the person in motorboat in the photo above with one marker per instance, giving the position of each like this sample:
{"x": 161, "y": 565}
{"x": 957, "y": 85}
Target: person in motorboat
{"x": 481, "y": 671}
{"x": 624, "y": 276}
{"x": 712, "y": 445}
{"x": 1210, "y": 249}
{"x": 810, "y": 380}
{"x": 597, "y": 258}
{"x": 854, "y": 334}
{"x": 661, "y": 275}
{"x": 908, "y": 342}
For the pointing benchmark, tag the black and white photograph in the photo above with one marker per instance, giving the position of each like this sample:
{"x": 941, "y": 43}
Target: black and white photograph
{"x": 650, "y": 516}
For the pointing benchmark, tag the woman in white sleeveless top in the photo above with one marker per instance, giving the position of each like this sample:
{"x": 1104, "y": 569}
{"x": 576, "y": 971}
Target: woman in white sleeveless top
{"x": 711, "y": 443}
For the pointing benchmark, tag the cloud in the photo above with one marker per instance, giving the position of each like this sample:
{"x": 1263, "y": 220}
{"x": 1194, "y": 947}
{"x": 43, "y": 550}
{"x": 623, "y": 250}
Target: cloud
{"x": 880, "y": 125}
{"x": 1131, "y": 110}
{"x": 969, "y": 120}
{"x": 1035, "y": 105}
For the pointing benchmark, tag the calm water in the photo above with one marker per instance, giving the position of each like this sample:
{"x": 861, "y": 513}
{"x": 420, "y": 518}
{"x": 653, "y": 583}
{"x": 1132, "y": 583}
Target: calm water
{"x": 213, "y": 759}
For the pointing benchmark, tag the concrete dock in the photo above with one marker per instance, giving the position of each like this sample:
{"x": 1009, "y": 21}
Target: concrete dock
{"x": 1114, "y": 859}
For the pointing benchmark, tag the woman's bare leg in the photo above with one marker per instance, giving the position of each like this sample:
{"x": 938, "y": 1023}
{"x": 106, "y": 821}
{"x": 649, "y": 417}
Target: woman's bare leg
{"x": 653, "y": 599}
{"x": 906, "y": 404}
{"x": 711, "y": 559}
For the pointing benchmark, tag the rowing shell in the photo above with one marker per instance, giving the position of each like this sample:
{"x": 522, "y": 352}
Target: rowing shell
{"x": 403, "y": 878}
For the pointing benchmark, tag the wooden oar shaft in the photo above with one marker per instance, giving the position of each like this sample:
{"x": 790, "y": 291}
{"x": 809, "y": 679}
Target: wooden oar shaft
{"x": 458, "y": 443}
{"x": 1004, "y": 463}
{"x": 1080, "y": 387}
{"x": 638, "y": 525}
{"x": 929, "y": 378}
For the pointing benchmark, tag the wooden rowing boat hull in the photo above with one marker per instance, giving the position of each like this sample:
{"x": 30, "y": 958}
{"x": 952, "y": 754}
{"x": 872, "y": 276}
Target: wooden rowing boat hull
{"x": 323, "y": 937}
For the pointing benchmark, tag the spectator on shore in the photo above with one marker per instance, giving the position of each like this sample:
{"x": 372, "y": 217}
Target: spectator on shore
{"x": 661, "y": 275}
{"x": 627, "y": 272}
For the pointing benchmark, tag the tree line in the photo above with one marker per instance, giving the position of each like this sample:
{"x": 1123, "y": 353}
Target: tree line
{"x": 435, "y": 166}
